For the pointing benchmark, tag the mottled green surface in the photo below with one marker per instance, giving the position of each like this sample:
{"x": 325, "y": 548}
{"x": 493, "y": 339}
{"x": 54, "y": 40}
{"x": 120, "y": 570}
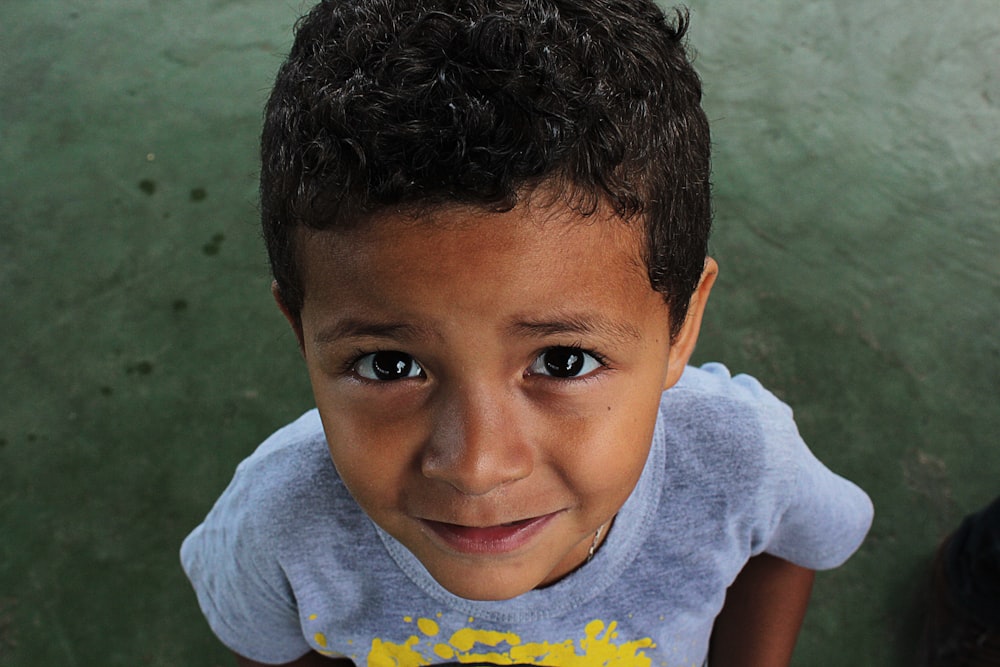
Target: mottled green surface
{"x": 857, "y": 176}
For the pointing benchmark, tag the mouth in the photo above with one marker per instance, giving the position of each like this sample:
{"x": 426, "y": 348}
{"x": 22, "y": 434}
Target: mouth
{"x": 488, "y": 540}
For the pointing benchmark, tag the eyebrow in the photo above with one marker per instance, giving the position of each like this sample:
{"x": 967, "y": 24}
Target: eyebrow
{"x": 358, "y": 328}
{"x": 578, "y": 325}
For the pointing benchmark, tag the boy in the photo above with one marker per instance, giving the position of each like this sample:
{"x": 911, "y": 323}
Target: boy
{"x": 487, "y": 222}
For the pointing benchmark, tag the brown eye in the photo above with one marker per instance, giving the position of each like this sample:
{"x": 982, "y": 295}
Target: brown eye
{"x": 565, "y": 362}
{"x": 387, "y": 366}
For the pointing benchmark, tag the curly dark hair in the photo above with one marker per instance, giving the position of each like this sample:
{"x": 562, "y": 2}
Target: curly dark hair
{"x": 417, "y": 103}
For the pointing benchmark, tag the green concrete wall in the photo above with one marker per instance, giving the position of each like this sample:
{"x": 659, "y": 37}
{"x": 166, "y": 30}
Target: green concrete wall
{"x": 857, "y": 170}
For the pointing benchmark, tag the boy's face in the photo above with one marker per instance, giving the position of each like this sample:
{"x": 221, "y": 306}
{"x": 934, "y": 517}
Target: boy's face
{"x": 489, "y": 383}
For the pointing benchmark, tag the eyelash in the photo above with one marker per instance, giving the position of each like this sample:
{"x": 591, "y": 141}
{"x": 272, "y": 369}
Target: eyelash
{"x": 576, "y": 348}
{"x": 350, "y": 367}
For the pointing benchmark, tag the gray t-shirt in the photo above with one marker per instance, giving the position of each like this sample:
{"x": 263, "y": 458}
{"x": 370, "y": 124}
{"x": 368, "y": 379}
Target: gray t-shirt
{"x": 286, "y": 562}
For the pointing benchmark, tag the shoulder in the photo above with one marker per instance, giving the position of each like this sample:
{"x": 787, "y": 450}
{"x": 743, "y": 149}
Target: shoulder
{"x": 728, "y": 419}
{"x": 287, "y": 484}
{"x": 711, "y": 388}
{"x": 289, "y": 469}
{"x": 731, "y": 444}
{"x": 295, "y": 451}
{"x": 734, "y": 444}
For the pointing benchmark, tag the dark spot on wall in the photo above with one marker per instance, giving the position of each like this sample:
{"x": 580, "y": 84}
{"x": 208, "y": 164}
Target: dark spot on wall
{"x": 214, "y": 246}
{"x": 3, "y": 442}
{"x": 198, "y": 194}
{"x": 32, "y": 437}
{"x": 179, "y": 305}
{"x": 139, "y": 368}
{"x": 147, "y": 185}
{"x": 106, "y": 391}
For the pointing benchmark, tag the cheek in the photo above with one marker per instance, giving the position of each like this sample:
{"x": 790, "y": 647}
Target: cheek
{"x": 603, "y": 455}
{"x": 373, "y": 450}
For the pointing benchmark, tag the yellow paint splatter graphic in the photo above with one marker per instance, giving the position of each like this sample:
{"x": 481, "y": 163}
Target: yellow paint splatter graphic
{"x": 428, "y": 627}
{"x": 597, "y": 648}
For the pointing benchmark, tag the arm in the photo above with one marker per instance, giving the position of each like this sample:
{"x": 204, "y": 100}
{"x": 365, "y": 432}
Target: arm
{"x": 310, "y": 659}
{"x": 761, "y": 617}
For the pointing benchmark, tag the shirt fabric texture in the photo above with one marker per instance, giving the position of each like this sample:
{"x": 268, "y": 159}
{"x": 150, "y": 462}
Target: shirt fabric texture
{"x": 286, "y": 561}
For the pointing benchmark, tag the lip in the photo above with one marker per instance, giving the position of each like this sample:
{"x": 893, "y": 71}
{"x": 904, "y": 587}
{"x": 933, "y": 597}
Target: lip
{"x": 488, "y": 540}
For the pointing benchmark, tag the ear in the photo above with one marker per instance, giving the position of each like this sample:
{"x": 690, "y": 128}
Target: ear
{"x": 294, "y": 320}
{"x": 682, "y": 346}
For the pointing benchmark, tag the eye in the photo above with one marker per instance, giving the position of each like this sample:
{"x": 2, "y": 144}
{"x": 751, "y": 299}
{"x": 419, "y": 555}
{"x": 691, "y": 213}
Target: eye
{"x": 387, "y": 366}
{"x": 565, "y": 362}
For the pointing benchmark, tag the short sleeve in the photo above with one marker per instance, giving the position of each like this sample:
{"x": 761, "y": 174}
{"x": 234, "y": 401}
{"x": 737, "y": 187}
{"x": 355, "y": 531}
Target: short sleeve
{"x": 244, "y": 598}
{"x": 826, "y": 518}
{"x": 233, "y": 562}
{"x": 818, "y": 518}
{"x": 795, "y": 507}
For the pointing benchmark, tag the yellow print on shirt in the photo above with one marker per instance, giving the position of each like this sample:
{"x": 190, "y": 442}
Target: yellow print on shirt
{"x": 597, "y": 648}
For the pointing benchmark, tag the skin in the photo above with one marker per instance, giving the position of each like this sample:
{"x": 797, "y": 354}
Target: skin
{"x": 479, "y": 437}
{"x": 481, "y": 426}
{"x": 762, "y": 615}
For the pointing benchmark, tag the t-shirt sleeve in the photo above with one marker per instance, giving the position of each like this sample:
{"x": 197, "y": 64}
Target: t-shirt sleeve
{"x": 796, "y": 507}
{"x": 817, "y": 518}
{"x": 240, "y": 584}
{"x": 826, "y": 517}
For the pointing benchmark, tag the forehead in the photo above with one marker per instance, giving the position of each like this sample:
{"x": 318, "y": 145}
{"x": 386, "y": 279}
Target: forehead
{"x": 552, "y": 231}
{"x": 462, "y": 270}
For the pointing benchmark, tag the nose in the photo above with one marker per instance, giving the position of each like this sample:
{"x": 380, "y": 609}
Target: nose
{"x": 478, "y": 444}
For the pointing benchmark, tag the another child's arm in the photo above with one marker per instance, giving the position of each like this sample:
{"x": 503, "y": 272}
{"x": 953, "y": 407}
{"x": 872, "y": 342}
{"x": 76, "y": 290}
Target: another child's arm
{"x": 762, "y": 615}
{"x": 311, "y": 659}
